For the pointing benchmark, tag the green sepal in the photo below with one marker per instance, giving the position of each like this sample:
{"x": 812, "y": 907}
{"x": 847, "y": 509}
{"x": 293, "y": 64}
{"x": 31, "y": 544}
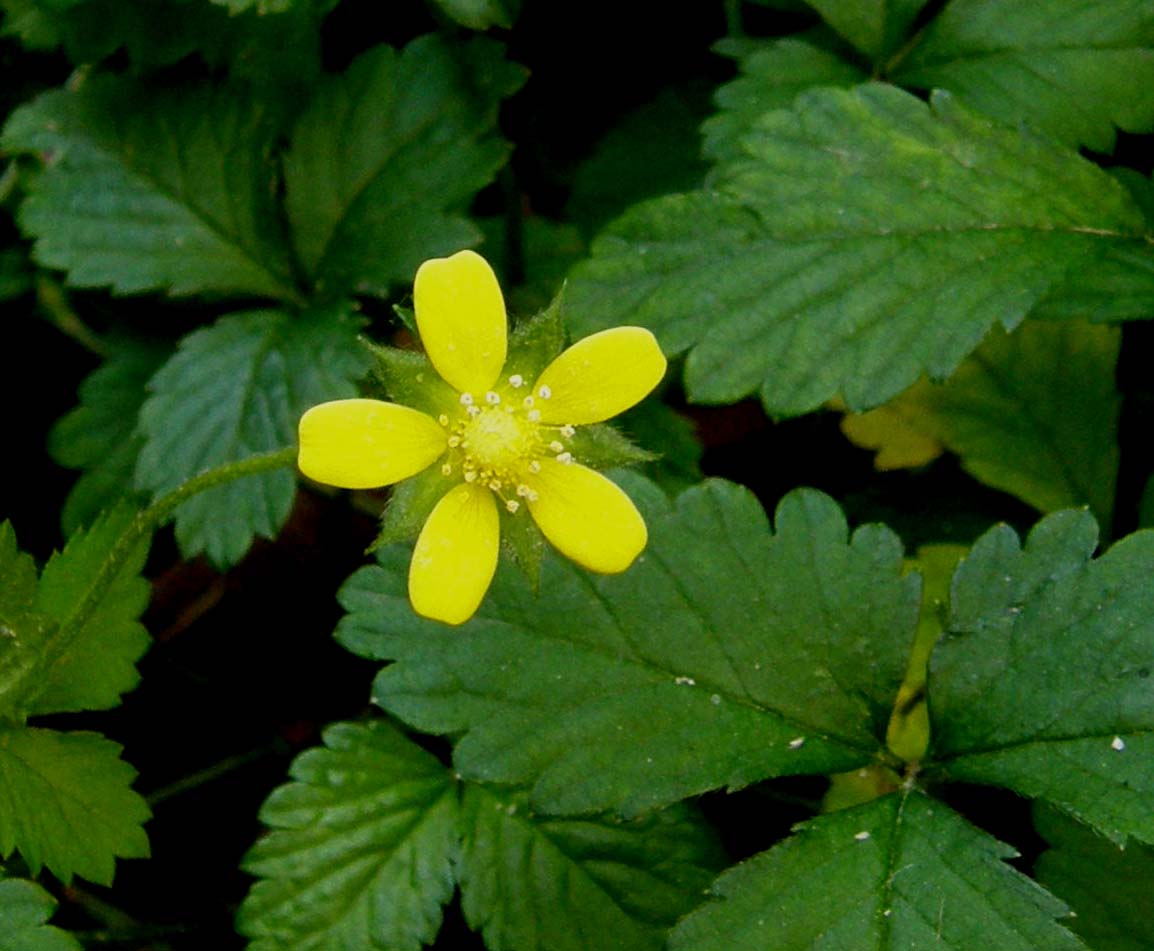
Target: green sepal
{"x": 535, "y": 342}
{"x": 523, "y": 542}
{"x": 601, "y": 446}
{"x": 410, "y": 379}
{"x": 410, "y": 505}
{"x": 408, "y": 318}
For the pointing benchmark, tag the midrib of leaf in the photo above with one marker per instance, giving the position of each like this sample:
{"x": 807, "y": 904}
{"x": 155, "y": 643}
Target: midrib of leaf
{"x": 885, "y": 889}
{"x": 288, "y": 291}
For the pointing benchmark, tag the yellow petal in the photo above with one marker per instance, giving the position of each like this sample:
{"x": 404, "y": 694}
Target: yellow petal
{"x": 461, "y": 319}
{"x": 600, "y": 376}
{"x": 586, "y": 517}
{"x": 455, "y": 556}
{"x": 362, "y": 444}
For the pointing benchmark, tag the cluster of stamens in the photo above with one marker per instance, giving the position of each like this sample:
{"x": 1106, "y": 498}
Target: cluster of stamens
{"x": 498, "y": 440}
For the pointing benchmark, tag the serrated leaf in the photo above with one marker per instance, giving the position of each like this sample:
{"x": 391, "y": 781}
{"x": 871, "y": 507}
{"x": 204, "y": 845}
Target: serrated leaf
{"x": 867, "y": 238}
{"x": 361, "y": 851}
{"x": 66, "y": 803}
{"x": 98, "y": 665}
{"x": 232, "y": 390}
{"x": 875, "y": 27}
{"x": 388, "y": 155}
{"x": 1041, "y": 681}
{"x": 24, "y": 912}
{"x": 99, "y": 436}
{"x": 1034, "y": 413}
{"x": 153, "y": 189}
{"x": 535, "y": 883}
{"x": 773, "y": 74}
{"x": 1110, "y": 889}
{"x": 902, "y": 872}
{"x": 725, "y": 655}
{"x": 1074, "y": 68}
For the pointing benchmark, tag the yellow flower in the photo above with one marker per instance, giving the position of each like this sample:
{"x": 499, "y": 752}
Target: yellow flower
{"x": 503, "y": 442}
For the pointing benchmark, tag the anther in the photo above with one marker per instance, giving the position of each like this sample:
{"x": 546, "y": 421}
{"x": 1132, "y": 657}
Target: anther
{"x": 534, "y": 415}
{"x": 470, "y": 475}
{"x": 474, "y": 410}
{"x": 534, "y": 466}
{"x": 466, "y": 399}
{"x": 556, "y": 446}
{"x": 492, "y": 398}
{"x": 568, "y": 431}
{"x": 446, "y": 469}
{"x": 544, "y": 392}
{"x": 523, "y": 490}
{"x": 528, "y": 401}
{"x": 512, "y": 505}
{"x": 454, "y": 442}
{"x": 565, "y": 457}
{"x": 516, "y": 381}
{"x": 443, "y": 420}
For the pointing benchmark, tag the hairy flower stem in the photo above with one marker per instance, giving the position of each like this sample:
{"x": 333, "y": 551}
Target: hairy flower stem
{"x": 145, "y": 523}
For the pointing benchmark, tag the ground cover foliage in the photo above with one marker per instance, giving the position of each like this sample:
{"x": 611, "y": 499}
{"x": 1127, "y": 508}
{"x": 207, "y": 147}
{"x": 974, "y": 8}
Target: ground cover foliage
{"x": 881, "y": 677}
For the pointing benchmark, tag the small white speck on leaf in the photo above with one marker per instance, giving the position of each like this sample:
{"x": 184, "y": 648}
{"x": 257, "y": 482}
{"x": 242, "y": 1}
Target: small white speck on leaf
{"x": 685, "y": 681}
{"x": 715, "y": 699}
{"x": 862, "y": 836}
{"x": 1118, "y": 744}
{"x": 797, "y": 742}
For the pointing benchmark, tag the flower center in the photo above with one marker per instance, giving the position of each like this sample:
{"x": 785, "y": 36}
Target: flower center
{"x": 498, "y": 442}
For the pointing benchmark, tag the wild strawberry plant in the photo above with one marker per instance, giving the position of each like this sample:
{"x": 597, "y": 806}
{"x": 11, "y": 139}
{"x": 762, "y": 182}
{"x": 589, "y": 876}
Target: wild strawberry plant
{"x": 857, "y": 655}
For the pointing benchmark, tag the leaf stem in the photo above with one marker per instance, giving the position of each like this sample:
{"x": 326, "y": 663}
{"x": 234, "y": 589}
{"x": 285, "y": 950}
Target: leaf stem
{"x": 145, "y": 522}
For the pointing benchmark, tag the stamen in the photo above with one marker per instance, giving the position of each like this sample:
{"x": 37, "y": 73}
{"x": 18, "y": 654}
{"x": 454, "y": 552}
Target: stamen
{"x": 466, "y": 399}
{"x": 512, "y": 505}
{"x": 568, "y": 431}
{"x": 565, "y": 457}
{"x": 516, "y": 381}
{"x": 544, "y": 392}
{"x": 454, "y": 442}
{"x": 523, "y": 490}
{"x": 492, "y": 398}
{"x": 443, "y": 420}
{"x": 534, "y": 466}
{"x": 474, "y": 410}
{"x": 470, "y": 475}
{"x": 556, "y": 446}
{"x": 528, "y": 401}
{"x": 446, "y": 469}
{"x": 495, "y": 485}
{"x": 534, "y": 415}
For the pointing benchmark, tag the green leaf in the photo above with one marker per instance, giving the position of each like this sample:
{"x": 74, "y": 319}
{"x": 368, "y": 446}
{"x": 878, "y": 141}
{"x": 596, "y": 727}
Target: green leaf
{"x": 875, "y": 27}
{"x": 99, "y": 436}
{"x": 1111, "y": 889}
{"x": 153, "y": 189}
{"x": 1034, "y": 413}
{"x": 1041, "y": 681}
{"x": 867, "y": 238}
{"x": 662, "y": 430}
{"x": 15, "y": 273}
{"x": 387, "y": 157}
{"x": 66, "y": 803}
{"x": 263, "y": 7}
{"x": 481, "y": 14}
{"x": 362, "y": 848}
{"x": 232, "y": 390}
{"x": 98, "y": 665}
{"x": 899, "y": 872}
{"x": 652, "y": 151}
{"x": 535, "y": 883}
{"x": 531, "y": 256}
{"x": 725, "y": 655}
{"x": 24, "y": 912}
{"x": 1074, "y": 69}
{"x": 773, "y": 74}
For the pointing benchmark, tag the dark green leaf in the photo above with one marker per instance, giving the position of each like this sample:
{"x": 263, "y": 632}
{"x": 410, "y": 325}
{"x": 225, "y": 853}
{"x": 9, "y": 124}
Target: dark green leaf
{"x": 152, "y": 189}
{"x": 481, "y": 14}
{"x": 66, "y": 803}
{"x": 531, "y": 256}
{"x": 1111, "y": 889}
{"x": 867, "y": 238}
{"x": 1073, "y": 68}
{"x": 901, "y": 872}
{"x": 361, "y": 851}
{"x": 725, "y": 655}
{"x": 24, "y": 912}
{"x": 534, "y": 883}
{"x": 662, "y": 430}
{"x": 15, "y": 273}
{"x": 262, "y": 7}
{"x": 773, "y": 74}
{"x": 875, "y": 27}
{"x": 1041, "y": 681}
{"x": 99, "y": 436}
{"x": 389, "y": 154}
{"x": 233, "y": 390}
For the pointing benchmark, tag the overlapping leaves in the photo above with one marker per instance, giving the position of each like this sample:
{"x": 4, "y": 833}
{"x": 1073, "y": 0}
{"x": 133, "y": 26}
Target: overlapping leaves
{"x": 24, "y": 912}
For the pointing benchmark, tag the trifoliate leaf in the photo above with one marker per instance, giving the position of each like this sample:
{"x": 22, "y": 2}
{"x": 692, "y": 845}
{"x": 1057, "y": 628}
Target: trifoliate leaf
{"x": 867, "y": 238}
{"x": 1034, "y": 413}
{"x": 1042, "y": 680}
{"x": 388, "y": 155}
{"x": 535, "y": 883}
{"x": 1072, "y": 68}
{"x": 153, "y": 189}
{"x": 361, "y": 851}
{"x": 899, "y": 872}
{"x": 875, "y": 27}
{"x": 725, "y": 655}
{"x": 25, "y": 908}
{"x": 232, "y": 390}
{"x": 99, "y": 436}
{"x": 481, "y": 14}
{"x": 66, "y": 803}
{"x": 773, "y": 73}
{"x": 652, "y": 151}
{"x": 1110, "y": 889}
{"x": 40, "y": 673}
